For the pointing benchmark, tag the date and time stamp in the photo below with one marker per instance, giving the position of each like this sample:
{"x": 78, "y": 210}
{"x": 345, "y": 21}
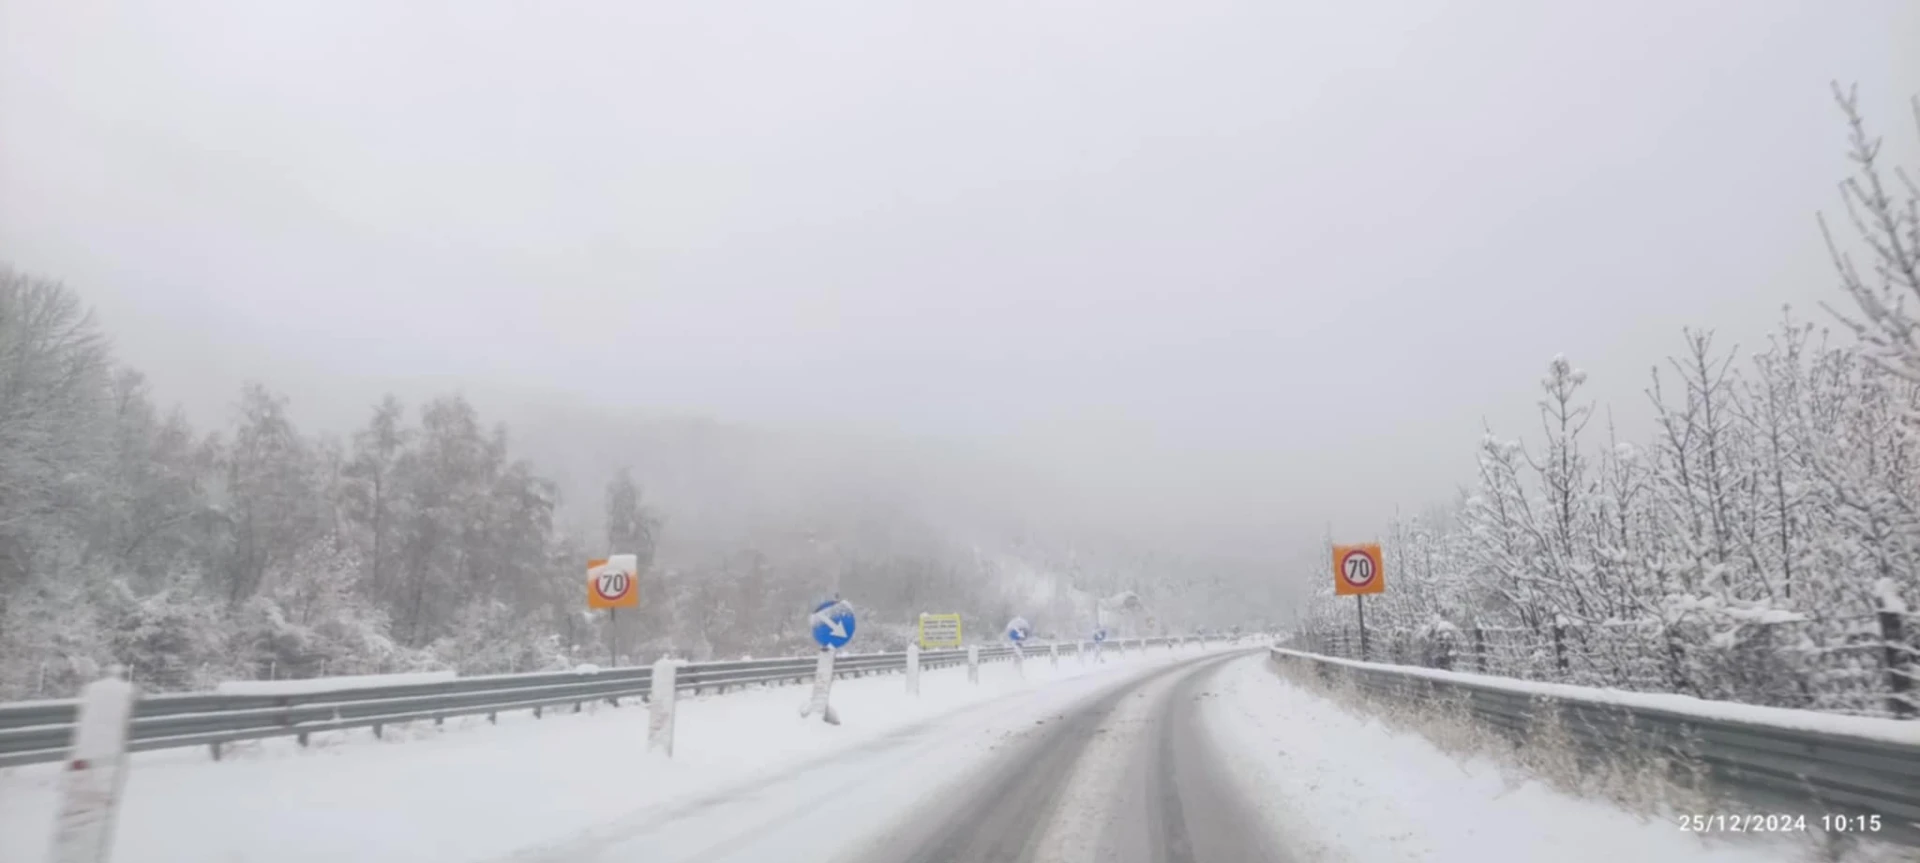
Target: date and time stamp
{"x": 1778, "y": 823}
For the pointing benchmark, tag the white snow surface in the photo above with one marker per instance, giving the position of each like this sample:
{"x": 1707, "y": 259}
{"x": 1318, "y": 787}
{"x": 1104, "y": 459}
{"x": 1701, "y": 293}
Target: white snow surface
{"x": 1893, "y": 730}
{"x": 566, "y": 787}
{"x": 327, "y": 684}
{"x": 751, "y": 781}
{"x": 1889, "y": 595}
{"x": 1341, "y": 787}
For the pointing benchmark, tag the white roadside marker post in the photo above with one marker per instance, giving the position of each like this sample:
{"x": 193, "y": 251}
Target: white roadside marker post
{"x": 1053, "y": 653}
{"x": 973, "y": 663}
{"x": 822, "y": 687}
{"x": 661, "y": 691}
{"x": 96, "y": 772}
{"x": 913, "y": 669}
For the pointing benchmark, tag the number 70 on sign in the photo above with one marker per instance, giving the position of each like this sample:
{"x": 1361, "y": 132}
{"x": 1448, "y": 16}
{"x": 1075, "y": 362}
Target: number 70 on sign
{"x": 613, "y": 582}
{"x": 1357, "y": 570}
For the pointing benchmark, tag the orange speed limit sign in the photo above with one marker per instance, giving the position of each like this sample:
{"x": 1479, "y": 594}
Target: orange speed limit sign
{"x": 1357, "y": 570}
{"x": 613, "y": 582}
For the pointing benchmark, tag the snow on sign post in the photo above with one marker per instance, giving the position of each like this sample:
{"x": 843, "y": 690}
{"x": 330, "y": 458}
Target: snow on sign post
{"x": 1017, "y": 630}
{"x": 96, "y": 772}
{"x": 833, "y": 625}
{"x": 661, "y": 692}
{"x": 1357, "y": 571}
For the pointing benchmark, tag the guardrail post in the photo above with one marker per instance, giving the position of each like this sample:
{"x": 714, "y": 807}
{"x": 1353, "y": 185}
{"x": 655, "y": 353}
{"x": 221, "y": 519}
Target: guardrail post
{"x": 1899, "y": 661}
{"x": 1053, "y": 653}
{"x": 1019, "y": 661}
{"x": 973, "y": 663}
{"x": 96, "y": 772}
{"x": 913, "y": 669}
{"x": 661, "y": 690}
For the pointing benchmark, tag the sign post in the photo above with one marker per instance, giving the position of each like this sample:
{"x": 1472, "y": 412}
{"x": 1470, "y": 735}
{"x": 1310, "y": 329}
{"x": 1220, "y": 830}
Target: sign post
{"x": 613, "y": 583}
{"x": 1357, "y": 571}
{"x": 833, "y": 625}
{"x": 1017, "y": 630}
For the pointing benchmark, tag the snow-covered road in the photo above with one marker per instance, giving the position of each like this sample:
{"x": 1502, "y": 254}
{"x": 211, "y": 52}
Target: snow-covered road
{"x": 1175, "y": 756}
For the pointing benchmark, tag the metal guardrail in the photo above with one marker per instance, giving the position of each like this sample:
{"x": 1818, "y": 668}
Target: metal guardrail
{"x": 1767, "y": 769}
{"x": 41, "y": 731}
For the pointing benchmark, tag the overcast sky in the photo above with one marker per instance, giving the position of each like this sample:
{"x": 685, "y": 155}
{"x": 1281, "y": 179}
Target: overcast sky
{"x": 1275, "y": 261}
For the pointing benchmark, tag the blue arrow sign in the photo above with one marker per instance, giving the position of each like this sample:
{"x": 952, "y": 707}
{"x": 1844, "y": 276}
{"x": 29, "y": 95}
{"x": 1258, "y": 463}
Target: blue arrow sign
{"x": 832, "y": 623}
{"x": 1017, "y": 629}
{"x": 1100, "y": 634}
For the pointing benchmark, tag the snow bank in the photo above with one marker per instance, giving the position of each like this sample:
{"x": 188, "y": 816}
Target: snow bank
{"x": 546, "y": 787}
{"x": 1891, "y": 730}
{"x": 1341, "y": 787}
{"x": 327, "y": 684}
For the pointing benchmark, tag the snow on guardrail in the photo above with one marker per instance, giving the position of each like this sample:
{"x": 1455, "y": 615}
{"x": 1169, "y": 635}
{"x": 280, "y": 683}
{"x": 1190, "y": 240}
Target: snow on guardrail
{"x": 1873, "y": 728}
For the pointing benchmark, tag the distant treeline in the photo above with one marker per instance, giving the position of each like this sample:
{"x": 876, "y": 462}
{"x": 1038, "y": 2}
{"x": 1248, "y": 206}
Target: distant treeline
{"x": 127, "y": 536}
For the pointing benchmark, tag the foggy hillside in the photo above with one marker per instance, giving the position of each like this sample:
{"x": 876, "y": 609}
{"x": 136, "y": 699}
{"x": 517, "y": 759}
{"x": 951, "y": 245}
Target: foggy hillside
{"x": 437, "y": 535}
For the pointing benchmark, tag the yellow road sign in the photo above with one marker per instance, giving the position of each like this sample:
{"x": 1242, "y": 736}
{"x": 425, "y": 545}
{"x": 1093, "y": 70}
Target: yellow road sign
{"x": 1357, "y": 570}
{"x": 939, "y": 630}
